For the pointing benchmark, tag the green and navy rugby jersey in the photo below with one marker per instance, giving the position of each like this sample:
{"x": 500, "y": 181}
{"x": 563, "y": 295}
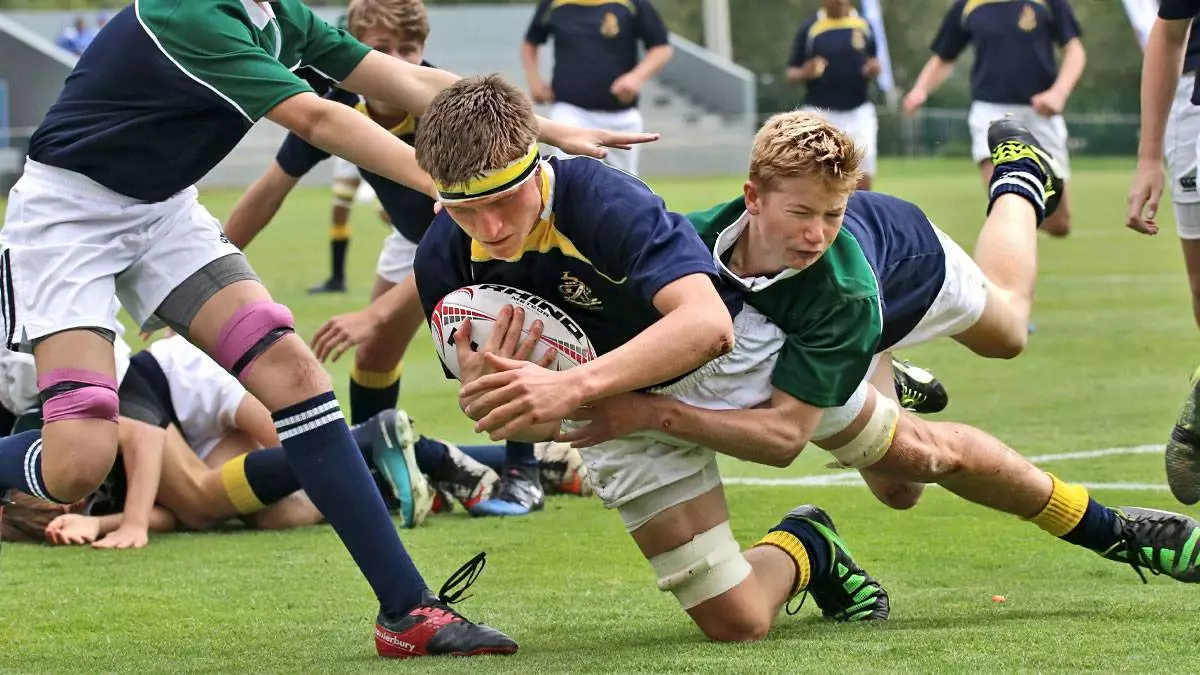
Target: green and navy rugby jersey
{"x": 1014, "y": 45}
{"x": 169, "y": 87}
{"x": 603, "y": 247}
{"x": 410, "y": 210}
{"x": 846, "y": 43}
{"x": 871, "y": 287}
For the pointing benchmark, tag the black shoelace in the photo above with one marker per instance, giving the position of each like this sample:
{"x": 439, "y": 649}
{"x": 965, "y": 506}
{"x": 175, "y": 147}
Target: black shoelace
{"x": 457, "y": 584}
{"x": 1134, "y": 555}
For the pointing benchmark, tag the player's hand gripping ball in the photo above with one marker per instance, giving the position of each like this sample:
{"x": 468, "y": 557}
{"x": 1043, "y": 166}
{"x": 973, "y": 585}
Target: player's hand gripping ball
{"x": 482, "y": 303}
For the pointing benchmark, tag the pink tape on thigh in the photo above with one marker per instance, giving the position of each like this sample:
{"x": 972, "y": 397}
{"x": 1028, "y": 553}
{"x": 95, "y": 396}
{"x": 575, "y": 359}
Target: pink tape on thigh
{"x": 244, "y": 330}
{"x": 97, "y": 400}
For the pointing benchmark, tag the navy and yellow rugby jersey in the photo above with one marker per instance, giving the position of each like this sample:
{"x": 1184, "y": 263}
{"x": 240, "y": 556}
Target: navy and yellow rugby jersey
{"x": 1014, "y": 45}
{"x": 595, "y": 42}
{"x": 409, "y": 210}
{"x": 846, "y": 44}
{"x": 169, "y": 87}
{"x": 604, "y": 246}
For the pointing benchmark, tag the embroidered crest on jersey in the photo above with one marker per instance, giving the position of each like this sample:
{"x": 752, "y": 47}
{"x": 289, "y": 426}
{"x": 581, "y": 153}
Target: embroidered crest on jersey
{"x": 577, "y": 293}
{"x": 858, "y": 40}
{"x": 609, "y": 27}
{"x": 1028, "y": 20}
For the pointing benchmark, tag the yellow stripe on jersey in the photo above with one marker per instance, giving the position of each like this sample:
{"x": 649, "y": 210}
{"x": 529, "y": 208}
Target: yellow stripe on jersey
{"x": 544, "y": 237}
{"x": 972, "y": 5}
{"x": 593, "y": 3}
{"x": 825, "y": 24}
{"x": 406, "y": 125}
{"x": 491, "y": 182}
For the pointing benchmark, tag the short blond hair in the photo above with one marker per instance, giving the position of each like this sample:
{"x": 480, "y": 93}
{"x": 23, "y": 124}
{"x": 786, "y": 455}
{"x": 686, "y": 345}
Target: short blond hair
{"x": 406, "y": 18}
{"x": 476, "y": 125}
{"x": 804, "y": 144}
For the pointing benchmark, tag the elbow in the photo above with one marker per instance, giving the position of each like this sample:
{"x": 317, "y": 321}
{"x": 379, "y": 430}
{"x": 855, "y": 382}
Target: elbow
{"x": 310, "y": 124}
{"x": 718, "y": 332}
{"x": 788, "y": 446}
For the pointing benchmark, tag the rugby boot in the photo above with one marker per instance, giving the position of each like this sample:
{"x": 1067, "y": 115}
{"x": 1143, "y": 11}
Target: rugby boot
{"x": 1159, "y": 541}
{"x": 433, "y": 628}
{"x": 918, "y": 390}
{"x": 1182, "y": 457}
{"x": 563, "y": 470}
{"x": 848, "y": 592}
{"x": 393, "y": 457}
{"x": 329, "y": 286}
{"x": 1009, "y": 141}
{"x": 470, "y": 483}
{"x": 518, "y": 493}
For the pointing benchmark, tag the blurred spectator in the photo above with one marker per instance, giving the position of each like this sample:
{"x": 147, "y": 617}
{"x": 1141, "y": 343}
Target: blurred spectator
{"x": 75, "y": 37}
{"x": 597, "y": 74}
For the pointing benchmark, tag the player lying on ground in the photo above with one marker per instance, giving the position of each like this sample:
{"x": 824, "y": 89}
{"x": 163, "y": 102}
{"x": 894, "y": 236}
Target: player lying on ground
{"x": 383, "y": 330}
{"x": 106, "y": 207}
{"x": 640, "y": 283}
{"x": 797, "y": 226}
{"x": 1160, "y": 78}
{"x": 207, "y": 477}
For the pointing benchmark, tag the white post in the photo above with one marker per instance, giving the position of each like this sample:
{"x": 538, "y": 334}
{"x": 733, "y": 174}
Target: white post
{"x": 717, "y": 34}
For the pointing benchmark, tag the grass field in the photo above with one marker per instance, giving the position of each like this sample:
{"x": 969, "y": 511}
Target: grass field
{"x": 1106, "y": 369}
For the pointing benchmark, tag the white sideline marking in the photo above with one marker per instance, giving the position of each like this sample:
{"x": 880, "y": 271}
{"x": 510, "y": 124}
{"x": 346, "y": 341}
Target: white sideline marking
{"x": 844, "y": 478}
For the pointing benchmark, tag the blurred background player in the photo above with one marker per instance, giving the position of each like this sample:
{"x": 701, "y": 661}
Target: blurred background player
{"x": 1014, "y": 74}
{"x": 834, "y": 55}
{"x": 597, "y": 73}
{"x": 1169, "y": 119}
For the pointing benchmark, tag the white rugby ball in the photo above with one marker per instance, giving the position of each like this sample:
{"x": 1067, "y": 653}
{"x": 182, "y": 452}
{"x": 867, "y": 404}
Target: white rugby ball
{"x": 482, "y": 303}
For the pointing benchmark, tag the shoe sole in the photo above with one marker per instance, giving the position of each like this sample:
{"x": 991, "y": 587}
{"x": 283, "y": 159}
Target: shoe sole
{"x": 482, "y": 651}
{"x": 412, "y": 482}
{"x": 1182, "y": 459}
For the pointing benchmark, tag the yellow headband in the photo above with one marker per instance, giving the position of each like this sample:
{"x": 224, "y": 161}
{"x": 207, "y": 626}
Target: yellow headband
{"x": 491, "y": 182}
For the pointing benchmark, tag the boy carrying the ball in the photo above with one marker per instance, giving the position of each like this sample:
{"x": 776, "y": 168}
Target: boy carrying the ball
{"x": 601, "y": 246}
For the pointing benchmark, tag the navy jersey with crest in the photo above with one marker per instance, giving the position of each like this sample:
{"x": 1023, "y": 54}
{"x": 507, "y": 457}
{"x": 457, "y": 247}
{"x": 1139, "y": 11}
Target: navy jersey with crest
{"x": 595, "y": 42}
{"x": 906, "y": 254}
{"x": 604, "y": 246}
{"x": 409, "y": 210}
{"x": 845, "y": 43}
{"x": 1014, "y": 44}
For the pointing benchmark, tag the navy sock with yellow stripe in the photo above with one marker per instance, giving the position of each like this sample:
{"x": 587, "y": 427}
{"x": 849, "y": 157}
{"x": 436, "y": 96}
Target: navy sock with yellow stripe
{"x": 373, "y": 392}
{"x": 807, "y": 547}
{"x": 1071, "y": 515}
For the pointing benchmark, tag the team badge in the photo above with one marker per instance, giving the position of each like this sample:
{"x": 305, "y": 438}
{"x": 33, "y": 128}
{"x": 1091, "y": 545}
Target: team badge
{"x": 576, "y": 292}
{"x": 1028, "y": 20}
{"x": 858, "y": 40}
{"x": 609, "y": 27}
{"x": 1187, "y": 182}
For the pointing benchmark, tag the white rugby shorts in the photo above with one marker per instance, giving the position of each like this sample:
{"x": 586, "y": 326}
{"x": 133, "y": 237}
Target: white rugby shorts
{"x": 1051, "y": 132}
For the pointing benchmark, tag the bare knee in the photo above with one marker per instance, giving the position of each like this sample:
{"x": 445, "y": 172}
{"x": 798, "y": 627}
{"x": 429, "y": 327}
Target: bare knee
{"x": 918, "y": 453}
{"x": 1010, "y": 343}
{"x": 899, "y": 496}
{"x": 737, "y": 627}
{"x": 1059, "y": 224}
{"x": 287, "y": 373}
{"x": 77, "y": 455}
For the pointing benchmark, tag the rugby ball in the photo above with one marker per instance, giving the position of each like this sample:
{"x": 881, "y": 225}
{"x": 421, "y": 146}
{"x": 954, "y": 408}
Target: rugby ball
{"x": 482, "y": 303}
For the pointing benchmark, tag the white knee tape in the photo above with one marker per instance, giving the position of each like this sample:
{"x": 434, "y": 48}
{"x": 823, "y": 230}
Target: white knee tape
{"x": 707, "y": 566}
{"x": 873, "y": 442}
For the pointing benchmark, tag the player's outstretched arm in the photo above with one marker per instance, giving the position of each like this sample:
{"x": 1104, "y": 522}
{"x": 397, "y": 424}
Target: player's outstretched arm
{"x": 342, "y": 131}
{"x": 258, "y": 205}
{"x": 773, "y": 433}
{"x": 344, "y": 331}
{"x": 1161, "y": 67}
{"x": 142, "y": 447}
{"x": 932, "y": 76}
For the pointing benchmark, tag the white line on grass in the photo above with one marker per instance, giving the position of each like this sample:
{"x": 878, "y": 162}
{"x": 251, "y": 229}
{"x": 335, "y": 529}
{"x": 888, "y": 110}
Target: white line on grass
{"x": 843, "y": 478}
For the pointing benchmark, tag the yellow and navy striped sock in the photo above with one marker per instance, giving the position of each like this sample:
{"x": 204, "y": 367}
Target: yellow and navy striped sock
{"x": 1073, "y": 516}
{"x": 791, "y": 545}
{"x": 372, "y": 392}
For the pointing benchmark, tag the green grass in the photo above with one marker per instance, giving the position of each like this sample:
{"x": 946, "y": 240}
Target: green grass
{"x": 1107, "y": 367}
